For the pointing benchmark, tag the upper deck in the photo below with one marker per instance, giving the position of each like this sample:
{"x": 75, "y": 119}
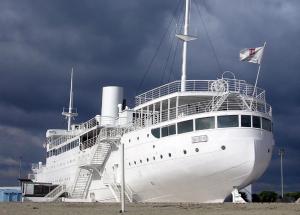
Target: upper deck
{"x": 204, "y": 86}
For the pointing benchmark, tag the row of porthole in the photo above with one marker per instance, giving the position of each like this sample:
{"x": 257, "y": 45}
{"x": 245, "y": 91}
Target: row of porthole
{"x": 169, "y": 154}
{"x": 137, "y": 138}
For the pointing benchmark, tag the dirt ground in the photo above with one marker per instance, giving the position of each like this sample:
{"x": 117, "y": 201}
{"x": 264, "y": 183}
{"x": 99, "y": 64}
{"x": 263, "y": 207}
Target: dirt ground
{"x": 148, "y": 209}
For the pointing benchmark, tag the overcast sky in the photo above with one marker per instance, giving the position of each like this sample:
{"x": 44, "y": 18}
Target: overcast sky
{"x": 113, "y": 42}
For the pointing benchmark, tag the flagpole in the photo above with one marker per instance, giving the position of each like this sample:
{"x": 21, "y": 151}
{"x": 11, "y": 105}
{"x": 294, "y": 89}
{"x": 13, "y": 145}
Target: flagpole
{"x": 257, "y": 75}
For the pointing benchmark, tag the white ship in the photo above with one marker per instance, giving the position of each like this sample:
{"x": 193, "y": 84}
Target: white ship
{"x": 185, "y": 141}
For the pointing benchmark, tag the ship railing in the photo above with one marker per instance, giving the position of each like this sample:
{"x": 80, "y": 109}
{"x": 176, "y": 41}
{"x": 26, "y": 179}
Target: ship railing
{"x": 60, "y": 140}
{"x": 89, "y": 124}
{"x": 231, "y": 85}
{"x": 200, "y": 107}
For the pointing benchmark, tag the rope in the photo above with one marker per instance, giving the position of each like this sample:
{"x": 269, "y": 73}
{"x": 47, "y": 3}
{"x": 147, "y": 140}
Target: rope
{"x": 158, "y": 48}
{"x": 207, "y": 34}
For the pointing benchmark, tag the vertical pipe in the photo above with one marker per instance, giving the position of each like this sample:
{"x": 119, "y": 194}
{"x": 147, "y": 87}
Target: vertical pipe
{"x": 123, "y": 180}
{"x": 184, "y": 50}
{"x": 281, "y": 170}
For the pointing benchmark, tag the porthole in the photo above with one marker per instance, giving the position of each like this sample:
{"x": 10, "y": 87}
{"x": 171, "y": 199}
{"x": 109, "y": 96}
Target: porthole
{"x": 134, "y": 162}
{"x": 147, "y": 135}
{"x": 154, "y": 158}
{"x": 138, "y": 138}
{"x": 196, "y": 149}
{"x": 141, "y": 161}
{"x": 170, "y": 155}
{"x": 147, "y": 159}
{"x": 129, "y": 164}
{"x": 129, "y": 140}
{"x": 153, "y": 146}
{"x": 161, "y": 157}
{"x": 184, "y": 151}
{"x": 223, "y": 147}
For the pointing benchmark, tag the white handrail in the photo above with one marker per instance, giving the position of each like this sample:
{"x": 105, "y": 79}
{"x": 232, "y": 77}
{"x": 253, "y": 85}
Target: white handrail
{"x": 234, "y": 85}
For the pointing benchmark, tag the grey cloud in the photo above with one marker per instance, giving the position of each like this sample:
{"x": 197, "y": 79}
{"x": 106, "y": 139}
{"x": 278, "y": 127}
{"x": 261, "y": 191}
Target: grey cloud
{"x": 112, "y": 42}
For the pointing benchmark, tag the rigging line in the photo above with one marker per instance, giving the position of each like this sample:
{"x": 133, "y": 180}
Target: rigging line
{"x": 207, "y": 34}
{"x": 157, "y": 49}
{"x": 164, "y": 68}
{"x": 172, "y": 64}
{"x": 180, "y": 21}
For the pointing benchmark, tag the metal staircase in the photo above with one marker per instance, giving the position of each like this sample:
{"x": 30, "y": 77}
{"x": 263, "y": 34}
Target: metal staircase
{"x": 82, "y": 183}
{"x": 116, "y": 190}
{"x": 217, "y": 102}
{"x": 56, "y": 193}
{"x": 96, "y": 162}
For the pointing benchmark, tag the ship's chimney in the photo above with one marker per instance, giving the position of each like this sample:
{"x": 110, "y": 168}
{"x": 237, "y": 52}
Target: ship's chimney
{"x": 111, "y": 97}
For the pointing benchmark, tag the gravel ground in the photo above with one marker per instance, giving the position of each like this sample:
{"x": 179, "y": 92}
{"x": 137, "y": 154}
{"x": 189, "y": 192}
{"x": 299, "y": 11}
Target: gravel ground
{"x": 148, "y": 208}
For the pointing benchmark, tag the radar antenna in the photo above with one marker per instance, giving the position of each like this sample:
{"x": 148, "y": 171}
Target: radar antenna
{"x": 70, "y": 112}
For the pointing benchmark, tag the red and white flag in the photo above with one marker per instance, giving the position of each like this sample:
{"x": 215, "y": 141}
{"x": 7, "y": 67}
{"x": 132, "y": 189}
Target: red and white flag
{"x": 252, "y": 55}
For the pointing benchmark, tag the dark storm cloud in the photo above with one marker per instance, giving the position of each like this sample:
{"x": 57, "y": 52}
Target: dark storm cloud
{"x": 112, "y": 42}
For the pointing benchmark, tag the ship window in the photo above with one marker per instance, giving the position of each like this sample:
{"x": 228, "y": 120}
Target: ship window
{"x": 228, "y": 121}
{"x": 153, "y": 158}
{"x": 205, "y": 123}
{"x": 161, "y": 157}
{"x": 156, "y": 132}
{"x": 147, "y": 159}
{"x": 184, "y": 151}
{"x": 266, "y": 124}
{"x": 196, "y": 149}
{"x": 256, "y": 121}
{"x": 141, "y": 161}
{"x": 185, "y": 126}
{"x": 168, "y": 130}
{"x": 147, "y": 135}
{"x": 246, "y": 121}
{"x": 134, "y": 162}
{"x": 170, "y": 155}
{"x": 129, "y": 164}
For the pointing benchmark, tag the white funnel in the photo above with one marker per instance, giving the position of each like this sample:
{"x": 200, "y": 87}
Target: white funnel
{"x": 111, "y": 97}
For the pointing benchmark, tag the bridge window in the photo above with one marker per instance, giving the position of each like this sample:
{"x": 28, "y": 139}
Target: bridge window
{"x": 256, "y": 121}
{"x": 156, "y": 132}
{"x": 228, "y": 121}
{"x": 168, "y": 130}
{"x": 246, "y": 121}
{"x": 185, "y": 126}
{"x": 266, "y": 124}
{"x": 205, "y": 123}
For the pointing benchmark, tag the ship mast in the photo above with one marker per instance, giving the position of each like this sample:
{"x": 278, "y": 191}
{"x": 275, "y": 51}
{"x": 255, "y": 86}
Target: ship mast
{"x": 185, "y": 37}
{"x": 70, "y": 114}
{"x": 184, "y": 50}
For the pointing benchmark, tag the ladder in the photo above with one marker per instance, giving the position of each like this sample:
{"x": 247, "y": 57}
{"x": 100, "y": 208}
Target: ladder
{"x": 217, "y": 102}
{"x": 56, "y": 193}
{"x": 116, "y": 191}
{"x": 96, "y": 163}
{"x": 82, "y": 183}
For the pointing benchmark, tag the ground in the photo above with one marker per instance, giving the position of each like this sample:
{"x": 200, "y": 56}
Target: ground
{"x": 148, "y": 209}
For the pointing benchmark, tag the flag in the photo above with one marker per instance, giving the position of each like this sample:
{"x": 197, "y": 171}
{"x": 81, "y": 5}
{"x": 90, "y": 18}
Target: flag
{"x": 252, "y": 55}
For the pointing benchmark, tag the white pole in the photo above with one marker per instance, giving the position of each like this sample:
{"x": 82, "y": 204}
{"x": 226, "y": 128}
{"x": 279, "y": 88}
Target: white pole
{"x": 281, "y": 153}
{"x": 257, "y": 75}
{"x": 184, "y": 50}
{"x": 70, "y": 103}
{"x": 123, "y": 180}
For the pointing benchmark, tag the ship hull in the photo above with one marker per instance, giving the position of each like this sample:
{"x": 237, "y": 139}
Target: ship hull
{"x": 207, "y": 172}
